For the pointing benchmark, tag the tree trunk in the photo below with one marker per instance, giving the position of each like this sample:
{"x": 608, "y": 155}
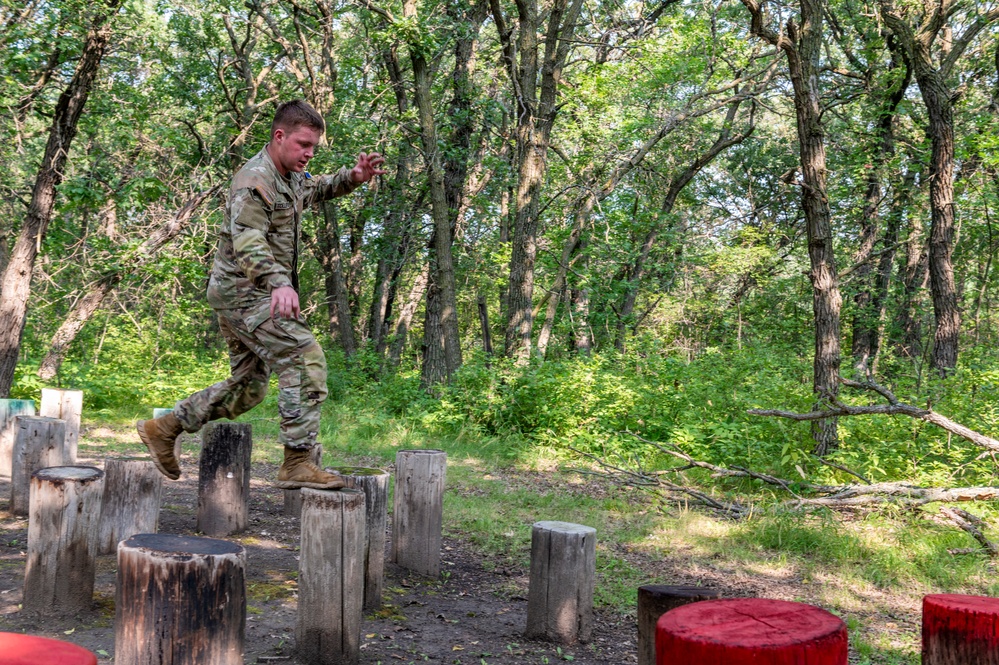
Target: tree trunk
{"x": 936, "y": 96}
{"x": 88, "y": 304}
{"x": 802, "y": 46}
{"x": 879, "y": 299}
{"x": 405, "y": 321}
{"x": 446, "y": 314}
{"x": 536, "y": 111}
{"x": 330, "y": 257}
{"x": 909, "y": 322}
{"x": 16, "y": 283}
{"x": 932, "y": 71}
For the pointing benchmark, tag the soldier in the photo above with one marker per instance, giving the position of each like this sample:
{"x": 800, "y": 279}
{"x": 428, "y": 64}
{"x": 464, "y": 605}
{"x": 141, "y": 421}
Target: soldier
{"x": 253, "y": 289}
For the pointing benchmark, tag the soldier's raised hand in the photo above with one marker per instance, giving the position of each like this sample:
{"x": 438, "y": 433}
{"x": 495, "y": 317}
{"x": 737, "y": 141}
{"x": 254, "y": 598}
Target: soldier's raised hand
{"x": 367, "y": 167}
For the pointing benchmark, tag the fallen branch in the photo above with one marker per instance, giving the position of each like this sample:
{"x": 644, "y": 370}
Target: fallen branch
{"x": 893, "y": 408}
{"x": 837, "y": 497}
{"x": 970, "y": 523}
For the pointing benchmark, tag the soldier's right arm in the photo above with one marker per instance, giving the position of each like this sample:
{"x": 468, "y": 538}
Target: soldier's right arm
{"x": 249, "y": 224}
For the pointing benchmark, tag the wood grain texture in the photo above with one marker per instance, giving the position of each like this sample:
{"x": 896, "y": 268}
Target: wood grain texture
{"x": 374, "y": 483}
{"x": 39, "y": 442}
{"x": 655, "y": 600}
{"x": 133, "y": 491}
{"x": 744, "y": 631}
{"x": 960, "y": 630}
{"x": 563, "y": 575}
{"x": 65, "y": 405}
{"x": 418, "y": 510}
{"x": 180, "y": 600}
{"x": 224, "y": 478}
{"x": 331, "y": 577}
{"x": 10, "y": 409}
{"x": 62, "y": 541}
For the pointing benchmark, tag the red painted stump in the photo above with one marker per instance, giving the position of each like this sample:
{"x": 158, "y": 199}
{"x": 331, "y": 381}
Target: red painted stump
{"x": 741, "y": 631}
{"x": 960, "y": 630}
{"x": 17, "y": 649}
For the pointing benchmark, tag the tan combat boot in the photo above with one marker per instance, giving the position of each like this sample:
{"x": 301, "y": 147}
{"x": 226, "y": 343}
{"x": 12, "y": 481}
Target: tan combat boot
{"x": 298, "y": 471}
{"x": 161, "y": 437}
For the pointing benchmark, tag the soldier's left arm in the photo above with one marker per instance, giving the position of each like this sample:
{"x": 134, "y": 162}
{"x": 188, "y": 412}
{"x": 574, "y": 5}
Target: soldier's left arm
{"x": 345, "y": 180}
{"x": 323, "y": 187}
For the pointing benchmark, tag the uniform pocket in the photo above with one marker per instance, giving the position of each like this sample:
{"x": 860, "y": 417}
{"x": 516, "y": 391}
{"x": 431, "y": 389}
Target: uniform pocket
{"x": 290, "y": 393}
{"x": 256, "y": 315}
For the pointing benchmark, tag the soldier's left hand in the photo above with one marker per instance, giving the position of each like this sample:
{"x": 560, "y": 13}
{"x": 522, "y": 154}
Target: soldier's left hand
{"x": 367, "y": 167}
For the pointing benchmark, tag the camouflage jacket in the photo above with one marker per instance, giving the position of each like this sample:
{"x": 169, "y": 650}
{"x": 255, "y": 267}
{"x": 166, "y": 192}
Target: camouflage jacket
{"x": 258, "y": 245}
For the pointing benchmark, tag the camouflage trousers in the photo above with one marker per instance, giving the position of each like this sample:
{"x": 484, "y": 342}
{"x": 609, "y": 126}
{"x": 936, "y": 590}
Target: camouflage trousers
{"x": 259, "y": 345}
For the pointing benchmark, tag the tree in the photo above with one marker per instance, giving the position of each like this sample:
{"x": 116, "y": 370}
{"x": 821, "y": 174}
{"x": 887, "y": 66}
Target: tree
{"x": 16, "y": 282}
{"x": 933, "y": 52}
{"x": 801, "y": 42}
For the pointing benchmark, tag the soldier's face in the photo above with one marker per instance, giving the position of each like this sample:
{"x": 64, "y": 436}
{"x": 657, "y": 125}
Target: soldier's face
{"x": 292, "y": 151}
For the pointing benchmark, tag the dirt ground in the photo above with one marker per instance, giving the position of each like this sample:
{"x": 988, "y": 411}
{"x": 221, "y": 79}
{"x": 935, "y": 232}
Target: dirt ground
{"x": 475, "y": 614}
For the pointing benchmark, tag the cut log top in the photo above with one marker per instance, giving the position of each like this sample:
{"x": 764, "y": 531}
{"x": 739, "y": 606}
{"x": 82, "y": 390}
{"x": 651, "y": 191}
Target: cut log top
{"x": 974, "y": 618}
{"x": 356, "y": 471}
{"x": 679, "y": 591}
{"x": 422, "y": 451}
{"x": 565, "y": 527}
{"x": 171, "y": 544}
{"x": 961, "y": 603}
{"x": 24, "y": 420}
{"x": 750, "y": 623}
{"x": 61, "y": 474}
{"x": 347, "y": 498}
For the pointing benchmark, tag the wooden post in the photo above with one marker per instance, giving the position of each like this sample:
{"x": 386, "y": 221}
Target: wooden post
{"x": 960, "y": 630}
{"x": 66, "y": 405}
{"x": 750, "y": 631}
{"x": 38, "y": 442}
{"x": 293, "y": 498}
{"x": 374, "y": 484}
{"x": 331, "y": 577}
{"x": 563, "y": 574}
{"x": 224, "y": 478}
{"x": 62, "y": 542}
{"x": 418, "y": 510}
{"x": 133, "y": 490}
{"x": 10, "y": 409}
{"x": 179, "y": 600}
{"x": 655, "y": 600}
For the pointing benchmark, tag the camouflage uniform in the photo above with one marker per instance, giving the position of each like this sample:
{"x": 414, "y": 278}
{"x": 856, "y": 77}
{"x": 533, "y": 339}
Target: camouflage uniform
{"x": 258, "y": 252}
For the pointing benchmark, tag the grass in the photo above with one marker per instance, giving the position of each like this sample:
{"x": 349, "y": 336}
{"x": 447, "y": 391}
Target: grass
{"x": 872, "y": 570}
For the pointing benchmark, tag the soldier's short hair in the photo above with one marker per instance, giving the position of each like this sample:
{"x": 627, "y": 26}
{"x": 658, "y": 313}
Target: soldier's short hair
{"x": 297, "y": 113}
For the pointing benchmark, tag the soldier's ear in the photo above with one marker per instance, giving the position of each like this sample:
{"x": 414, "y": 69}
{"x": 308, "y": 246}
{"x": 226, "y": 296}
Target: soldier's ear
{"x": 278, "y": 134}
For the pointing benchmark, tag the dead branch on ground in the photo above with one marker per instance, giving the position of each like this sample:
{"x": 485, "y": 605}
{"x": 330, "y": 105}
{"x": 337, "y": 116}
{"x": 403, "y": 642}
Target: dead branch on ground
{"x": 894, "y": 408}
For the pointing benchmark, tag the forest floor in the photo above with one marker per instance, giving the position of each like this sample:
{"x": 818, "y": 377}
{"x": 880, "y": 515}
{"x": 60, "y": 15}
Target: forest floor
{"x": 474, "y": 614}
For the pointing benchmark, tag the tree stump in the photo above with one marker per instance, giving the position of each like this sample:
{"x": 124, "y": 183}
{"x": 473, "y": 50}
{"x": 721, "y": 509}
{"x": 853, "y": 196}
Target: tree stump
{"x": 21, "y": 649}
{"x": 418, "y": 510}
{"x": 960, "y": 630}
{"x": 563, "y": 574}
{"x": 38, "y": 442}
{"x": 65, "y": 405}
{"x": 62, "y": 540}
{"x": 133, "y": 490}
{"x": 374, "y": 484}
{"x": 224, "y": 478}
{"x": 741, "y": 631}
{"x": 331, "y": 577}
{"x": 179, "y": 600}
{"x": 160, "y": 412}
{"x": 10, "y": 409}
{"x": 655, "y": 600}
{"x": 293, "y": 498}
